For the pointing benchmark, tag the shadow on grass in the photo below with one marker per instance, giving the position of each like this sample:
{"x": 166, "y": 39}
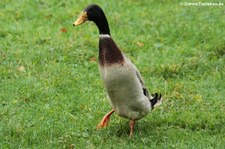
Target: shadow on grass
{"x": 141, "y": 129}
{"x": 159, "y": 128}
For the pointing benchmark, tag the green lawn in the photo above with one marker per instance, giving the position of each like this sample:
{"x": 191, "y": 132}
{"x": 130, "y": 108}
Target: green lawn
{"x": 51, "y": 94}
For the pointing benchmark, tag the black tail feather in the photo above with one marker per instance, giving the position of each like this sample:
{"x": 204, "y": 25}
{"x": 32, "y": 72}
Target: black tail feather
{"x": 155, "y": 99}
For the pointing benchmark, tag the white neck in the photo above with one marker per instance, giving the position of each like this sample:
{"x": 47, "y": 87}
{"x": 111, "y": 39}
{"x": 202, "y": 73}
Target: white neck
{"x": 104, "y": 36}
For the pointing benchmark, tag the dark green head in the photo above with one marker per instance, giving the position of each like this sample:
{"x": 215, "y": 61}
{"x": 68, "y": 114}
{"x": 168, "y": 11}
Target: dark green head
{"x": 94, "y": 13}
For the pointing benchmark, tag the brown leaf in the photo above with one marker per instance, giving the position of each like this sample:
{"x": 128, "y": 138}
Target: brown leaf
{"x": 140, "y": 44}
{"x": 63, "y": 30}
{"x": 21, "y": 69}
{"x": 48, "y": 16}
{"x": 92, "y": 59}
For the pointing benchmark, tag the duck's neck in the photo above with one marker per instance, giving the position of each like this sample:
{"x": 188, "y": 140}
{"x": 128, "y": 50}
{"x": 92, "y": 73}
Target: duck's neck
{"x": 102, "y": 25}
{"x": 109, "y": 53}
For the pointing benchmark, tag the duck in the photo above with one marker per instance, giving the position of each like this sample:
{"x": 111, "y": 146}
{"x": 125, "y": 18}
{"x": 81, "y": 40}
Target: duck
{"x": 125, "y": 87}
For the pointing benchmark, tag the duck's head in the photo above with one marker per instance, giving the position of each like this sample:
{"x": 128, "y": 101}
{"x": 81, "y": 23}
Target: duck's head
{"x": 94, "y": 13}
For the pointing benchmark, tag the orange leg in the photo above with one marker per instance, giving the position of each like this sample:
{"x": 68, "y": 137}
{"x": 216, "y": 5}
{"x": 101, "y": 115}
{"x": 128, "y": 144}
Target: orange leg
{"x": 132, "y": 122}
{"x": 105, "y": 120}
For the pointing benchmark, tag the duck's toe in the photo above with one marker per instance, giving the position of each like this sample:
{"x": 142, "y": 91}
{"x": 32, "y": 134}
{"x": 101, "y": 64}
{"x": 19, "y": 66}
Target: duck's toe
{"x": 105, "y": 120}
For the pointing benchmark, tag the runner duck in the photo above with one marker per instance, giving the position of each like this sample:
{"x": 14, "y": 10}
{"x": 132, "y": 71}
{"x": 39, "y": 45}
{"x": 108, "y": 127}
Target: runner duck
{"x": 125, "y": 87}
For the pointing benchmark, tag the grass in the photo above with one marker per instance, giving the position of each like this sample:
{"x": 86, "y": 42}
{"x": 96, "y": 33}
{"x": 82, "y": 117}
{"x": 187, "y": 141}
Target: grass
{"x": 51, "y": 95}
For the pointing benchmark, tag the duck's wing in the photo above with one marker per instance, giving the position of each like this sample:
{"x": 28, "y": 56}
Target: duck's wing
{"x": 144, "y": 88}
{"x": 137, "y": 73}
{"x": 156, "y": 100}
